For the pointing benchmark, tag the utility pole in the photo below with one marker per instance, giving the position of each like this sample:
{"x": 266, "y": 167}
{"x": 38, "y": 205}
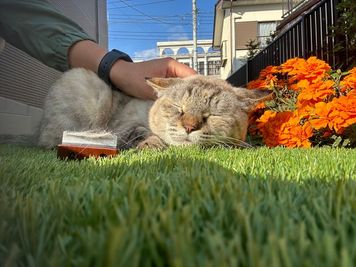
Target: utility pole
{"x": 194, "y": 10}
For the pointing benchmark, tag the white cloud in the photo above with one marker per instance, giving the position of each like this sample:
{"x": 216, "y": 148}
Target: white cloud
{"x": 178, "y": 33}
{"x": 146, "y": 54}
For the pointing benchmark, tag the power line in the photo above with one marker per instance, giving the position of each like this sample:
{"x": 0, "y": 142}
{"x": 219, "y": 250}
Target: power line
{"x": 204, "y": 20}
{"x": 146, "y": 22}
{"x": 149, "y": 39}
{"x": 163, "y": 32}
{"x": 150, "y": 20}
{"x": 170, "y": 35}
{"x": 172, "y": 21}
{"x": 139, "y": 11}
{"x": 167, "y": 19}
{"x": 157, "y": 35}
{"x": 124, "y": 36}
{"x": 162, "y": 16}
{"x": 143, "y": 4}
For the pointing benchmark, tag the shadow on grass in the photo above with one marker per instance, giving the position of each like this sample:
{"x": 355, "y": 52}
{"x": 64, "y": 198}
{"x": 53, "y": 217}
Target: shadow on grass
{"x": 167, "y": 209}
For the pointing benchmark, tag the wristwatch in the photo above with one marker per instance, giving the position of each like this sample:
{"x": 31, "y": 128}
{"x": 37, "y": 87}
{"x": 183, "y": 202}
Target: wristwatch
{"x": 108, "y": 61}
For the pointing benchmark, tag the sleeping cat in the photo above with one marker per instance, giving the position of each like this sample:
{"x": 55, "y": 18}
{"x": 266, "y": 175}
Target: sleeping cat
{"x": 194, "y": 110}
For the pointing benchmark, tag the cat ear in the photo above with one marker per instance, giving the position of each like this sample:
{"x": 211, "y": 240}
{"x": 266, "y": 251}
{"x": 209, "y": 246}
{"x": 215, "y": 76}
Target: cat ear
{"x": 251, "y": 97}
{"x": 161, "y": 84}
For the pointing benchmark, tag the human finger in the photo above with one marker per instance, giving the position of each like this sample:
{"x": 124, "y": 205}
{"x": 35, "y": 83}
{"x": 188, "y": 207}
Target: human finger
{"x": 177, "y": 69}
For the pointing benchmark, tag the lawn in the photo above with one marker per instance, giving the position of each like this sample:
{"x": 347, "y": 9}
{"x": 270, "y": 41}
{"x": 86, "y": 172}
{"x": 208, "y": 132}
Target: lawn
{"x": 179, "y": 207}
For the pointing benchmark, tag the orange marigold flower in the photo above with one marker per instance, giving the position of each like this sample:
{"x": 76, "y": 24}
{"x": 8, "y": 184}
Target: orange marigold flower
{"x": 260, "y": 105}
{"x": 265, "y": 80}
{"x": 321, "y": 119}
{"x": 269, "y": 125}
{"x": 312, "y": 69}
{"x": 269, "y": 70}
{"x": 314, "y": 93}
{"x": 271, "y": 80}
{"x": 316, "y": 68}
{"x": 291, "y": 65}
{"x": 337, "y": 114}
{"x": 301, "y": 85}
{"x": 257, "y": 84}
{"x": 343, "y": 111}
{"x": 293, "y": 134}
{"x": 253, "y": 116}
{"x": 321, "y": 104}
{"x": 349, "y": 81}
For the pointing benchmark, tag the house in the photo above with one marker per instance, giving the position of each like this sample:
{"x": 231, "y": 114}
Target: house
{"x": 308, "y": 28}
{"x": 236, "y": 22}
{"x": 208, "y": 59}
{"x": 24, "y": 81}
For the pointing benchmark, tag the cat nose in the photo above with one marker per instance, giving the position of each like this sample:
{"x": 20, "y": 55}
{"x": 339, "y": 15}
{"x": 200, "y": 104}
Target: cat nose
{"x": 189, "y": 128}
{"x": 191, "y": 123}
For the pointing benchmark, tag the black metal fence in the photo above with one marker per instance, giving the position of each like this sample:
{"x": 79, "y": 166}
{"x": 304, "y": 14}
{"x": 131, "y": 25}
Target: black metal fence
{"x": 311, "y": 35}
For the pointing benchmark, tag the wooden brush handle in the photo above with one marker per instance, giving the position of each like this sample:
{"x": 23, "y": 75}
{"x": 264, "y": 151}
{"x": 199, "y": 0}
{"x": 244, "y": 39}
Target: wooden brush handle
{"x": 81, "y": 152}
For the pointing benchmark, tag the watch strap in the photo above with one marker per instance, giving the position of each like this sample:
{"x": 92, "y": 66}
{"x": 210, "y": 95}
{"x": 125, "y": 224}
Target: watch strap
{"x": 108, "y": 61}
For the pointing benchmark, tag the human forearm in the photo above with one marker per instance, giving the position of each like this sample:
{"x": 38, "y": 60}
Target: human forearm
{"x": 86, "y": 54}
{"x": 127, "y": 76}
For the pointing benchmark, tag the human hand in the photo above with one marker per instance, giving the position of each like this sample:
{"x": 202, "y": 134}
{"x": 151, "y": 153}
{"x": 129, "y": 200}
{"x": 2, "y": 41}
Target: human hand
{"x": 127, "y": 76}
{"x": 130, "y": 77}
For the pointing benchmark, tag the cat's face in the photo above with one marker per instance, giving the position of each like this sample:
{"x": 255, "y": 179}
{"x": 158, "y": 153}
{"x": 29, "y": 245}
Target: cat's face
{"x": 201, "y": 110}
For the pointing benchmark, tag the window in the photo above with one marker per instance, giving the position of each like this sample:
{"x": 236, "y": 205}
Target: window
{"x": 214, "y": 67}
{"x": 244, "y": 31}
{"x": 183, "y": 51}
{"x": 200, "y": 50}
{"x": 211, "y": 50}
{"x": 167, "y": 52}
{"x": 265, "y": 29}
{"x": 201, "y": 67}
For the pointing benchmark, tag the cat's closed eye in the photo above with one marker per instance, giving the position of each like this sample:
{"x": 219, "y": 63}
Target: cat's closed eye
{"x": 205, "y": 117}
{"x": 179, "y": 110}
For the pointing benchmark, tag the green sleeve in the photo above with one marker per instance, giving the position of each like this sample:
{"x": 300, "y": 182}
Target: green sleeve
{"x": 40, "y": 30}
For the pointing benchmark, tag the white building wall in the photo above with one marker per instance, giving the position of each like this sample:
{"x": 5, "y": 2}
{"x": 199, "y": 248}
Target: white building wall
{"x": 188, "y": 58}
{"x": 260, "y": 13}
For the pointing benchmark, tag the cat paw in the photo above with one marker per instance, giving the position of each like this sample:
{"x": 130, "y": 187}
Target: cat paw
{"x": 152, "y": 142}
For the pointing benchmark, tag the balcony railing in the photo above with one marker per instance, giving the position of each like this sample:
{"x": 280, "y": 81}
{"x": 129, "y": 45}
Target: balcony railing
{"x": 311, "y": 34}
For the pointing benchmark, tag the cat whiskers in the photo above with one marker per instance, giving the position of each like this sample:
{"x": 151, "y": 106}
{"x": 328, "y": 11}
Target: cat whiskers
{"x": 224, "y": 140}
{"x": 239, "y": 142}
{"x": 128, "y": 143}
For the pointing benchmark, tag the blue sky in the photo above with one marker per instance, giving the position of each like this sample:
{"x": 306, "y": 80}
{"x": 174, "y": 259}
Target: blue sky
{"x": 135, "y": 26}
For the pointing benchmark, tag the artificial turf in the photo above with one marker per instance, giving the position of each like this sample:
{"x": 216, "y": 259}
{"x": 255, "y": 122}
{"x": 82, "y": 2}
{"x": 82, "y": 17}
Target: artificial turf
{"x": 179, "y": 207}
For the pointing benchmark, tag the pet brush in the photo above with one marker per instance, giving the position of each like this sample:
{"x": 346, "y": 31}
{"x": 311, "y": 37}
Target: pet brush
{"x": 80, "y": 145}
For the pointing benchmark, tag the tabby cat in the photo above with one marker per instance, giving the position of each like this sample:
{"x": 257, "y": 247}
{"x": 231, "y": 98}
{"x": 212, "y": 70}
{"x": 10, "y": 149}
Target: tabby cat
{"x": 194, "y": 110}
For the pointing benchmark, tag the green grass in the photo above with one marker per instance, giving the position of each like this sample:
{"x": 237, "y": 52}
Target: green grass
{"x": 180, "y": 207}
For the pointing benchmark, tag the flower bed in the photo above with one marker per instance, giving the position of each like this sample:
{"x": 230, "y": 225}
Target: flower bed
{"x": 313, "y": 105}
